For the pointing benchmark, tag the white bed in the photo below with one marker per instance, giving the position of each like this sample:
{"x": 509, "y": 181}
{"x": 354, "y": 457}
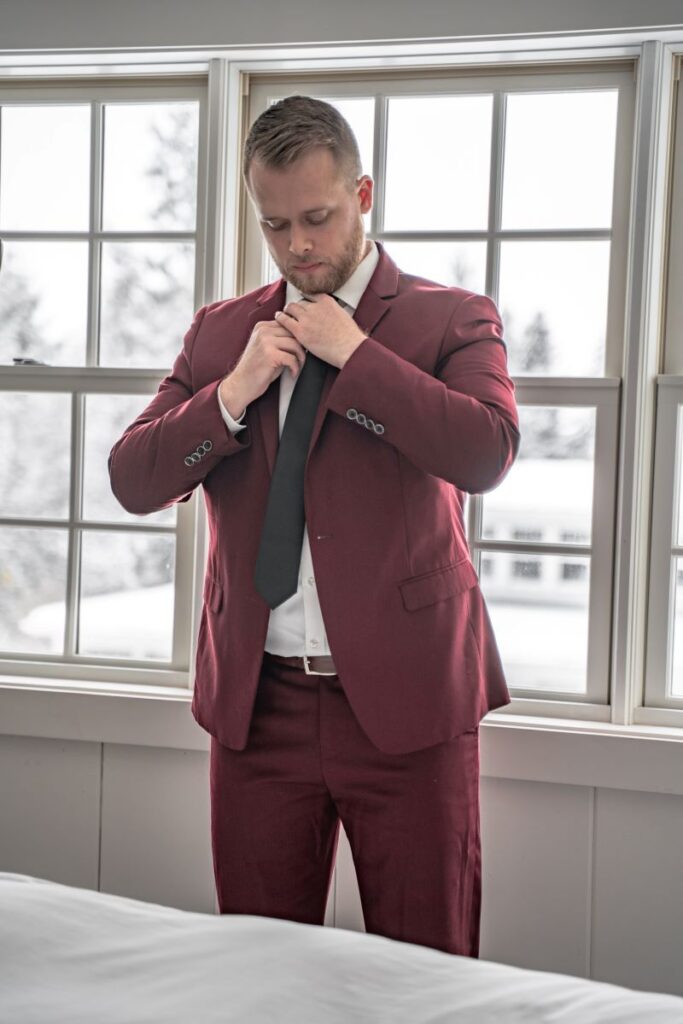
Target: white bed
{"x": 73, "y": 956}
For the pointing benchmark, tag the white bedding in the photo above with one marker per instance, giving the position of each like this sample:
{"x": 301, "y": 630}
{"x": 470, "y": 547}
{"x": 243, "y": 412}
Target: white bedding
{"x": 76, "y": 956}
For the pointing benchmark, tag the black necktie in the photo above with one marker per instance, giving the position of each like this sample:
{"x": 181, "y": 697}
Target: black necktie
{"x": 279, "y": 556}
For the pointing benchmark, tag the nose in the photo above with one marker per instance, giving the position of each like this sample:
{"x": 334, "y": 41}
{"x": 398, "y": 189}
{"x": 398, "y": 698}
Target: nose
{"x": 299, "y": 244}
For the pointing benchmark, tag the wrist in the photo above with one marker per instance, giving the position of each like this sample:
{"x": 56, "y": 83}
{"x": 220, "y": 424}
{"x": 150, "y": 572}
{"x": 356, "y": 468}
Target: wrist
{"x": 232, "y": 396}
{"x": 353, "y": 348}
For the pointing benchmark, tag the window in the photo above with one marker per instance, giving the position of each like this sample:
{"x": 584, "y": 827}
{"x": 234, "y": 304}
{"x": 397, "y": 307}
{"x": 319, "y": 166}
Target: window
{"x": 99, "y": 223}
{"x": 530, "y": 569}
{"x": 574, "y": 571}
{"x": 664, "y": 663}
{"x": 580, "y": 547}
{"x": 533, "y": 211}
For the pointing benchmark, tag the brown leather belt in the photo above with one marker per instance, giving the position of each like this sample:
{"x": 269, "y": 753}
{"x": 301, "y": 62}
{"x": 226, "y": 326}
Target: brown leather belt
{"x": 317, "y": 665}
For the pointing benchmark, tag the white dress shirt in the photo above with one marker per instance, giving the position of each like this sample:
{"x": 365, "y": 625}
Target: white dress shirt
{"x": 296, "y": 626}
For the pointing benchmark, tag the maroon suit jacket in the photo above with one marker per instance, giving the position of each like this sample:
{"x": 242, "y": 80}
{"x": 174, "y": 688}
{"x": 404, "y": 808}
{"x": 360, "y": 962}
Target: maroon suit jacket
{"x": 422, "y": 412}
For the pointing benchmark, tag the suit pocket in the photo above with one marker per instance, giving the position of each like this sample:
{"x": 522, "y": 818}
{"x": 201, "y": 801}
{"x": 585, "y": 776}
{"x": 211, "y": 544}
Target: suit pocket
{"x": 430, "y": 587}
{"x": 213, "y": 593}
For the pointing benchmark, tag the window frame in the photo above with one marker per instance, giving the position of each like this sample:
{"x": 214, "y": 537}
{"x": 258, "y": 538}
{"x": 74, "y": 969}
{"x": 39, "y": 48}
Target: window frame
{"x": 657, "y": 705}
{"x": 600, "y": 393}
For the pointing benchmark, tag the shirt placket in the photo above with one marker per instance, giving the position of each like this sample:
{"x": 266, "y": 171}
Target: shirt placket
{"x": 315, "y": 637}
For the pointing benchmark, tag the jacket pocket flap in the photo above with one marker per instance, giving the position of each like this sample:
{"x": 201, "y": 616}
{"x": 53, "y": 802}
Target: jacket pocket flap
{"x": 438, "y": 584}
{"x": 213, "y": 593}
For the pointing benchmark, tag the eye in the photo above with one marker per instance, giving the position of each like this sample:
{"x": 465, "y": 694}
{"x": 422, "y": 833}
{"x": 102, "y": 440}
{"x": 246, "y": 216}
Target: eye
{"x": 320, "y": 220}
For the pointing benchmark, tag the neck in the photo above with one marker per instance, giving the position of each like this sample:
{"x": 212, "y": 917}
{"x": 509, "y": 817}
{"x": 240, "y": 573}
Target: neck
{"x": 366, "y": 250}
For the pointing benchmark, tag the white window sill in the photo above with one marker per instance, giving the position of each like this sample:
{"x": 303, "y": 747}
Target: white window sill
{"x": 513, "y": 746}
{"x": 69, "y": 709}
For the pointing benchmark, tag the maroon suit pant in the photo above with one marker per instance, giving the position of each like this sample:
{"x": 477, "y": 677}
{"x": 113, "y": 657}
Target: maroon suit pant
{"x": 412, "y": 820}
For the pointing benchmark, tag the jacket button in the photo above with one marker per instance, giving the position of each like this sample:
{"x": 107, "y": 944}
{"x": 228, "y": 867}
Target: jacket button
{"x": 352, "y": 414}
{"x": 188, "y": 460}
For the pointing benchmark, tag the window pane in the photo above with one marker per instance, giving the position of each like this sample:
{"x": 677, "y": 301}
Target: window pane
{"x": 147, "y": 302}
{"x": 32, "y": 590}
{"x": 553, "y": 301}
{"x": 676, "y": 666}
{"x": 127, "y": 595}
{"x": 678, "y": 529}
{"x": 45, "y": 167}
{"x": 452, "y": 263}
{"x": 534, "y": 596}
{"x": 272, "y": 272}
{"x": 559, "y": 159}
{"x": 150, "y": 166}
{"x": 438, "y": 163}
{"x": 106, "y": 417}
{"x": 360, "y": 113}
{"x": 549, "y": 489}
{"x": 44, "y": 302}
{"x": 35, "y": 441}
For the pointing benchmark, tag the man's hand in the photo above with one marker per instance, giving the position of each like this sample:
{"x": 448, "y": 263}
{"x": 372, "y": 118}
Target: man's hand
{"x": 318, "y": 324}
{"x": 323, "y": 327}
{"x": 270, "y": 349}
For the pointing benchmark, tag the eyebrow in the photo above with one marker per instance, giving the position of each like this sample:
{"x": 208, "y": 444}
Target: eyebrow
{"x": 316, "y": 209}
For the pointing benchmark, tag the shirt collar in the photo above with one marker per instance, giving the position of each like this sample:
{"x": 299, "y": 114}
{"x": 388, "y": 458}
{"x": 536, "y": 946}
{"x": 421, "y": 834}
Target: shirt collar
{"x": 352, "y": 290}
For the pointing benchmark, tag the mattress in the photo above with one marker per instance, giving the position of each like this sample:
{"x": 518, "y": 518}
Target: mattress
{"x": 72, "y": 955}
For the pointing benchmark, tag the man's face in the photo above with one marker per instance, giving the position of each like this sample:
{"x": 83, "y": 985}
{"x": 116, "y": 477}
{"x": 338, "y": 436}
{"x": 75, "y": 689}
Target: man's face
{"x": 312, "y": 224}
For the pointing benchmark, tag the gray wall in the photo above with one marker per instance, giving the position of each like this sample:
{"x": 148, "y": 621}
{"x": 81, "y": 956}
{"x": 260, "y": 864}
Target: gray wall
{"x": 38, "y": 24}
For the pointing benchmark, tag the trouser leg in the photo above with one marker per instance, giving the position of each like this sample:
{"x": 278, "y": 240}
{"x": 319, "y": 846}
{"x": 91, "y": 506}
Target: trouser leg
{"x": 274, "y": 826}
{"x": 412, "y": 821}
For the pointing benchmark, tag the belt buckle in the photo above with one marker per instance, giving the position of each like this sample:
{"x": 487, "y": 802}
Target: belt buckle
{"x": 312, "y": 672}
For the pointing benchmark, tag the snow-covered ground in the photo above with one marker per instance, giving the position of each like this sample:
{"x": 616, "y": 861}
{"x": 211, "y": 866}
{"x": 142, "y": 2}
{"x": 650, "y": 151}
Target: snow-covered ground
{"x": 134, "y": 624}
{"x": 543, "y": 646}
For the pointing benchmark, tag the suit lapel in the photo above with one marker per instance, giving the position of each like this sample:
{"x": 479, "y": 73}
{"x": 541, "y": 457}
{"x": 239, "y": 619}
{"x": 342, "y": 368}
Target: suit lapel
{"x": 268, "y": 404}
{"x": 373, "y": 305}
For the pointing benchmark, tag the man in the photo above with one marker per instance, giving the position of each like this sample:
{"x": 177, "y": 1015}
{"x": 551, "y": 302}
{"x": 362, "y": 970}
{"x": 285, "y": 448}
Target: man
{"x": 336, "y": 419}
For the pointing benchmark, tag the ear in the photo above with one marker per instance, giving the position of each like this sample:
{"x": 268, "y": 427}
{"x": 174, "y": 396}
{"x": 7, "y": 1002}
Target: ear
{"x": 365, "y": 186}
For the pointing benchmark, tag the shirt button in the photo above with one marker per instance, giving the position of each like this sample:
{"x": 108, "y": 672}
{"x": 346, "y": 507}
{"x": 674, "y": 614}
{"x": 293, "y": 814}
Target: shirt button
{"x": 314, "y": 643}
{"x": 310, "y": 580}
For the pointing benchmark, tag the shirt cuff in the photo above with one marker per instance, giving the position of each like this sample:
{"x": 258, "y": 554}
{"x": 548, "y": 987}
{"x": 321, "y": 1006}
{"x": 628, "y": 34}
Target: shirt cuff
{"x": 233, "y": 424}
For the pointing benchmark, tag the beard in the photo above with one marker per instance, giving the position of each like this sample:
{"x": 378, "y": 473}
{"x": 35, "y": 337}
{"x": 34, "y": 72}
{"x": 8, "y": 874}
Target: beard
{"x": 329, "y": 276}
